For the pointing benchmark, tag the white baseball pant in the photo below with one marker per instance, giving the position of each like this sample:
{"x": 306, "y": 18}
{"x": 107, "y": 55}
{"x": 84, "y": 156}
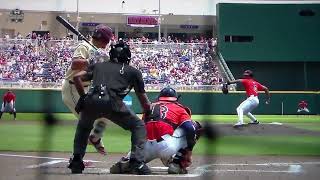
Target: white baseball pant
{"x": 246, "y": 107}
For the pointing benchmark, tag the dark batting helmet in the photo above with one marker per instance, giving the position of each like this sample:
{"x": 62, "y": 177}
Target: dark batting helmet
{"x": 248, "y": 73}
{"x": 103, "y": 33}
{"x": 120, "y": 52}
{"x": 168, "y": 94}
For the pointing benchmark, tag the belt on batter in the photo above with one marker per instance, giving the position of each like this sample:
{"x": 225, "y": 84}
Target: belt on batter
{"x": 71, "y": 82}
{"x": 160, "y": 139}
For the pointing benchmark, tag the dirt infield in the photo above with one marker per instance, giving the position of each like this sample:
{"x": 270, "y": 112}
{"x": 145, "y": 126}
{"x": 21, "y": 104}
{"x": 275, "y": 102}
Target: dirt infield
{"x": 52, "y": 166}
{"x": 31, "y": 166}
{"x": 263, "y": 129}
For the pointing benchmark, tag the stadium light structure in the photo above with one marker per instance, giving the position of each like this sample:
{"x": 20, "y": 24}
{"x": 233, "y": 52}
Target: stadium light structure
{"x": 78, "y": 18}
{"x": 159, "y": 24}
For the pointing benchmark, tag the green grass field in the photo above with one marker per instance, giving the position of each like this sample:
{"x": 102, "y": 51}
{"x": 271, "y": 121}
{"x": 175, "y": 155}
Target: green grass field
{"x": 28, "y": 137}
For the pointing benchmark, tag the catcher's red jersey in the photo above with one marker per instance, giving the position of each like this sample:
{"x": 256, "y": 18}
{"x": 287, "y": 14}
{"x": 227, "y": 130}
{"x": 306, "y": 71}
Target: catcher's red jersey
{"x": 9, "y": 96}
{"x": 252, "y": 87}
{"x": 164, "y": 119}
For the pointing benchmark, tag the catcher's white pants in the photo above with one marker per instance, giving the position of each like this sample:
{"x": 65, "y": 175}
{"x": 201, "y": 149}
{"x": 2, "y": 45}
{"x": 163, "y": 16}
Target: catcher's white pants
{"x": 8, "y": 107}
{"x": 246, "y": 107}
{"x": 166, "y": 148}
{"x": 70, "y": 98}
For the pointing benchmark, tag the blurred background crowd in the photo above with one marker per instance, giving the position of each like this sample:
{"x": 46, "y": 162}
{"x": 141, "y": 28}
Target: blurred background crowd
{"x": 45, "y": 60}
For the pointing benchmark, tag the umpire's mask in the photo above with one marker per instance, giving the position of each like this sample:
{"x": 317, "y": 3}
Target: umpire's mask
{"x": 120, "y": 52}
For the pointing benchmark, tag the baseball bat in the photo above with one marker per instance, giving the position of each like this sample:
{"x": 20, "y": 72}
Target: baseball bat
{"x": 67, "y": 25}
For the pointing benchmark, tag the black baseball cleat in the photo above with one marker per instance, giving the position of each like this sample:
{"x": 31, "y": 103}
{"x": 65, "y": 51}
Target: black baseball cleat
{"x": 121, "y": 167}
{"x": 254, "y": 122}
{"x": 76, "y": 165}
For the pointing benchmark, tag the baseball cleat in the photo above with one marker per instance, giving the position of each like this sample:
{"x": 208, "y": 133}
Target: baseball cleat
{"x": 254, "y": 122}
{"x": 238, "y": 124}
{"x": 127, "y": 166}
{"x": 175, "y": 168}
{"x": 98, "y": 145}
{"x": 121, "y": 167}
{"x": 76, "y": 165}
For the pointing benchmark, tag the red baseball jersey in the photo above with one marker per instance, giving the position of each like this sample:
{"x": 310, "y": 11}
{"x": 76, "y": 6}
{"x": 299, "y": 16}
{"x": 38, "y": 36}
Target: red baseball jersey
{"x": 8, "y": 97}
{"x": 302, "y": 105}
{"x": 251, "y": 86}
{"x": 165, "y": 117}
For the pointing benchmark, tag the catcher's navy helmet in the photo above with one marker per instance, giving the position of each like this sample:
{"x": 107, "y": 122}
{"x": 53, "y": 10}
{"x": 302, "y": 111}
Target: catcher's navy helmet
{"x": 168, "y": 94}
{"x": 248, "y": 73}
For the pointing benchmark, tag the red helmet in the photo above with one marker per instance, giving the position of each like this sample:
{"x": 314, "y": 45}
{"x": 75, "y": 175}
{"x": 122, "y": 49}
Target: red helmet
{"x": 102, "y": 32}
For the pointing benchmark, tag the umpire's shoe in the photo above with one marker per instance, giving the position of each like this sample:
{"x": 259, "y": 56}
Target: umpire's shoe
{"x": 76, "y": 164}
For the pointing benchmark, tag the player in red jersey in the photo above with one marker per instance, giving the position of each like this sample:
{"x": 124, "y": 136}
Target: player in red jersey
{"x": 171, "y": 134}
{"x": 8, "y": 105}
{"x": 252, "y": 87}
{"x": 303, "y": 107}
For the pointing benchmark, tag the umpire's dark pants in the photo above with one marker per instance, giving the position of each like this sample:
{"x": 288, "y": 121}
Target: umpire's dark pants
{"x": 126, "y": 119}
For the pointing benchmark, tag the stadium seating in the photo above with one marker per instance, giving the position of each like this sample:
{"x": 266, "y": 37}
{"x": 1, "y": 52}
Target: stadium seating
{"x": 161, "y": 64}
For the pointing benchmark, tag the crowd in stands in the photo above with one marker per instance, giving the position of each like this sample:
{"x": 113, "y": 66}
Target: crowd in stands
{"x": 161, "y": 64}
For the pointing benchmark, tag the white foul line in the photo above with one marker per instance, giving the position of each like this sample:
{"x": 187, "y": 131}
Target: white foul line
{"x": 38, "y": 157}
{"x": 45, "y": 164}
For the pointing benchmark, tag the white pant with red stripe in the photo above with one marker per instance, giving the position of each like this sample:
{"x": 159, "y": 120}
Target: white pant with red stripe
{"x": 246, "y": 107}
{"x": 166, "y": 148}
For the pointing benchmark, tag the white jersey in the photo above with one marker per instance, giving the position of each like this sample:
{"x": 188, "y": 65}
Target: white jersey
{"x": 86, "y": 51}
{"x": 70, "y": 95}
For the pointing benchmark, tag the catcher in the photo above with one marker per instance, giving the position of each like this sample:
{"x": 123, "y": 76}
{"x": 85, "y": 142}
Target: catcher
{"x": 171, "y": 135}
{"x": 82, "y": 57}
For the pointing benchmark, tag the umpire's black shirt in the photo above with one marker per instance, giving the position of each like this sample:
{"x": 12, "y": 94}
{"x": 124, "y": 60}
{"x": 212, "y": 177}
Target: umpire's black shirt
{"x": 119, "y": 84}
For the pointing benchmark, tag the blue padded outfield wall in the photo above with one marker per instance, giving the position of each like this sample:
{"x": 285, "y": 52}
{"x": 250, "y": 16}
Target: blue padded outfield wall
{"x": 199, "y": 102}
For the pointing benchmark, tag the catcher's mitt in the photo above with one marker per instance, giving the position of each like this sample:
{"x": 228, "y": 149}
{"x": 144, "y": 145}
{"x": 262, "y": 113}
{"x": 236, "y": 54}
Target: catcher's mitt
{"x": 225, "y": 88}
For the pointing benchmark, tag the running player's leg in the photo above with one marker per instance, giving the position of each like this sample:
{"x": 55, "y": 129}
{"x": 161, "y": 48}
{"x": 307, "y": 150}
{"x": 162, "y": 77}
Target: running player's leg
{"x": 13, "y": 110}
{"x": 2, "y": 109}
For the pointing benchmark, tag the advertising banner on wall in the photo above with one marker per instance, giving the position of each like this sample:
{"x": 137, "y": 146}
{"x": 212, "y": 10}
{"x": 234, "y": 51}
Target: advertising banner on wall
{"x": 142, "y": 21}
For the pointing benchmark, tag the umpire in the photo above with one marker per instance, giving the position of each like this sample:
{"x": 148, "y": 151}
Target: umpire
{"x": 111, "y": 82}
